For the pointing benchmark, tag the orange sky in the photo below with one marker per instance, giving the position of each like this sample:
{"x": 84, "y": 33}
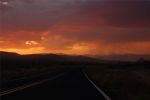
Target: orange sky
{"x": 93, "y": 27}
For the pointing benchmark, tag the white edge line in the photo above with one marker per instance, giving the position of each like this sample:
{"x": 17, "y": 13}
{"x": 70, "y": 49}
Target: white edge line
{"x": 27, "y": 86}
{"x": 100, "y": 90}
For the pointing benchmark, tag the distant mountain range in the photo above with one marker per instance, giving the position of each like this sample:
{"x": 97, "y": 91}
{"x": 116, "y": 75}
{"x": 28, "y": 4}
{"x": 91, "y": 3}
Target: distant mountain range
{"x": 127, "y": 57}
{"x": 10, "y": 57}
{"x": 70, "y": 58}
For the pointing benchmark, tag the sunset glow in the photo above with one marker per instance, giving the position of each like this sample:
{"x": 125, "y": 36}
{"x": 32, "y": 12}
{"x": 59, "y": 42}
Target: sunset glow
{"x": 31, "y": 43}
{"x": 94, "y": 27}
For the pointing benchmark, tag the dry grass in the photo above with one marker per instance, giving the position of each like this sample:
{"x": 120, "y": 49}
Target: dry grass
{"x": 123, "y": 84}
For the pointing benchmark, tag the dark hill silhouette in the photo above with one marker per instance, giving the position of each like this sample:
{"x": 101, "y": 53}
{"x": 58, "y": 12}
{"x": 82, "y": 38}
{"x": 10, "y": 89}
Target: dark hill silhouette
{"x": 124, "y": 57}
{"x": 14, "y": 61}
{"x": 8, "y": 54}
{"x": 11, "y": 60}
{"x": 50, "y": 57}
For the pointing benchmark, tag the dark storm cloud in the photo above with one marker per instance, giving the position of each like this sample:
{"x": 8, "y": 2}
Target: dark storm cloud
{"x": 113, "y": 21}
{"x": 94, "y": 19}
{"x": 4, "y": 6}
{"x": 121, "y": 36}
{"x": 120, "y": 12}
{"x": 38, "y": 15}
{"x": 42, "y": 14}
{"x": 130, "y": 13}
{"x": 108, "y": 35}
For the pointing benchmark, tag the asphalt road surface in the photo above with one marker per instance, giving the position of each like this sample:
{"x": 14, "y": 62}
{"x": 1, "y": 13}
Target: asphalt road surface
{"x": 73, "y": 85}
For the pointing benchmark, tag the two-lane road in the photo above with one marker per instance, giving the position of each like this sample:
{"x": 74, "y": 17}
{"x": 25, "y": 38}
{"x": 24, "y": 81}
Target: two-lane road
{"x": 75, "y": 85}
